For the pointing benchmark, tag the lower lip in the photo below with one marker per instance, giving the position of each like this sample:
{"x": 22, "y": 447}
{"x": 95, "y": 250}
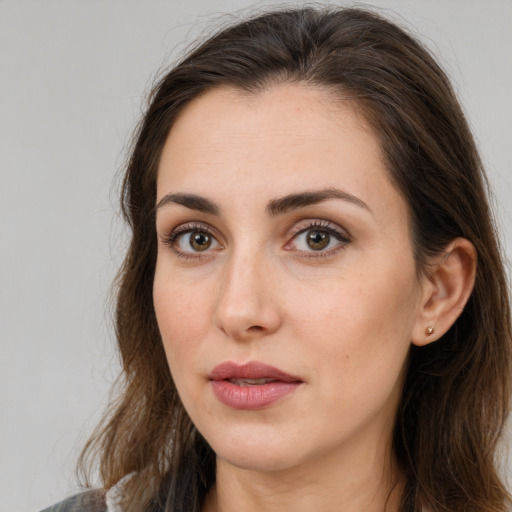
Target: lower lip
{"x": 252, "y": 397}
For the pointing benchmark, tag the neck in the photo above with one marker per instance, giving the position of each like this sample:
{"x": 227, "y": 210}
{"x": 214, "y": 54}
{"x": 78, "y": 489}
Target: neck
{"x": 366, "y": 482}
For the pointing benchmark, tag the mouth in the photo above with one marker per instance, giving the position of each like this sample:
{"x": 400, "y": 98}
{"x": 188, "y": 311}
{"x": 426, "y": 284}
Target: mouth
{"x": 253, "y": 373}
{"x": 251, "y": 386}
{"x": 250, "y": 382}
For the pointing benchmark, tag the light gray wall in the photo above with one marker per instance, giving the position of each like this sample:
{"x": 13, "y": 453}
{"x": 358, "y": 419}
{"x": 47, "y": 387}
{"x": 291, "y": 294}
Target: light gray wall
{"x": 73, "y": 75}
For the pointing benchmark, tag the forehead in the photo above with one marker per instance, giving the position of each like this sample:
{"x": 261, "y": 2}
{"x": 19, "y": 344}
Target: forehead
{"x": 283, "y": 114}
{"x": 286, "y": 137}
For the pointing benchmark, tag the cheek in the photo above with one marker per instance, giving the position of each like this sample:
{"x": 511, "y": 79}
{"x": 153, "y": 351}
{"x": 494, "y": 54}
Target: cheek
{"x": 361, "y": 344}
{"x": 359, "y": 325}
{"x": 183, "y": 314}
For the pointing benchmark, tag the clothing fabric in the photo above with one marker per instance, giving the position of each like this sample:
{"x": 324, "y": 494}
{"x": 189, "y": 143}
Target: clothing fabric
{"x": 95, "y": 500}
{"x": 89, "y": 501}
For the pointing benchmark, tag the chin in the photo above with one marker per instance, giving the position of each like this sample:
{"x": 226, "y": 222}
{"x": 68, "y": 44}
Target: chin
{"x": 256, "y": 452}
{"x": 261, "y": 460}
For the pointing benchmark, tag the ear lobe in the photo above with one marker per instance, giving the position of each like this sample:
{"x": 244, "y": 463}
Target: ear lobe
{"x": 446, "y": 291}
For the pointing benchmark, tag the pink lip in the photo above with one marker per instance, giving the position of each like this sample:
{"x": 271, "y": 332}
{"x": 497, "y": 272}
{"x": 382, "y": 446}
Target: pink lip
{"x": 251, "y": 396}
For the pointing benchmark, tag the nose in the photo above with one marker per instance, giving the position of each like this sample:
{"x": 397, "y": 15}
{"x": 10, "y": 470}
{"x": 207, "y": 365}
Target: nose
{"x": 246, "y": 306}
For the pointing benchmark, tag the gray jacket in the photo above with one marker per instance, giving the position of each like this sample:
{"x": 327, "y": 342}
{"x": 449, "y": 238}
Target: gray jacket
{"x": 88, "y": 501}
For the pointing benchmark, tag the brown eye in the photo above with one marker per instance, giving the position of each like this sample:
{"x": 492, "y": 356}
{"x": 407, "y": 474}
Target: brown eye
{"x": 192, "y": 241}
{"x": 317, "y": 240}
{"x": 200, "y": 241}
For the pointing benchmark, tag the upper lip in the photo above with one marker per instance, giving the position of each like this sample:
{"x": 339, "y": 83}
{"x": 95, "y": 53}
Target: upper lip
{"x": 251, "y": 370}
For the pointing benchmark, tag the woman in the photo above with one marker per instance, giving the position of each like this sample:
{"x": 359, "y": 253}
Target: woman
{"x": 313, "y": 312}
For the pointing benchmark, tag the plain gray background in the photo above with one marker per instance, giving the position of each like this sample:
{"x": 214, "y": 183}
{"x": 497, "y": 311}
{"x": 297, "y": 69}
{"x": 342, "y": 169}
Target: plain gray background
{"x": 73, "y": 78}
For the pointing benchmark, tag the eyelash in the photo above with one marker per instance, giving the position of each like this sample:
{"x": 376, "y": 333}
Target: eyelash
{"x": 340, "y": 235}
{"x": 172, "y": 239}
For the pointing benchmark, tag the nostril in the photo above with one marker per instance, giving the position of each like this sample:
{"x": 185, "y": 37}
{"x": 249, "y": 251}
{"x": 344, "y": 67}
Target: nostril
{"x": 255, "y": 328}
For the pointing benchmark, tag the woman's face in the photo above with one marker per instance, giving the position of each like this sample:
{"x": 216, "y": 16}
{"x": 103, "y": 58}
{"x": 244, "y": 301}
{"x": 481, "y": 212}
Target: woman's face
{"x": 285, "y": 288}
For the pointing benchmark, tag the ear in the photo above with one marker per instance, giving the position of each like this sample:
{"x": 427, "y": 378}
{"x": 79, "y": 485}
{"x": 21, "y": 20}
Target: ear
{"x": 445, "y": 291}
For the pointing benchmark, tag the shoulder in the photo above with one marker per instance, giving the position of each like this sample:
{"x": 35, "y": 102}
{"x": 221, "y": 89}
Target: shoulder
{"x": 88, "y": 501}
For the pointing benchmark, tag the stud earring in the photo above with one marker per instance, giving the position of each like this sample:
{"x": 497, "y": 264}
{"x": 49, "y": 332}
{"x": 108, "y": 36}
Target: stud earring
{"x": 429, "y": 330}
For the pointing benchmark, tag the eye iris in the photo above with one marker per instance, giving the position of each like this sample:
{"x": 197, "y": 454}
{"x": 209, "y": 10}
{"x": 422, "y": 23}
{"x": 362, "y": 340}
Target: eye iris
{"x": 200, "y": 241}
{"x": 318, "y": 240}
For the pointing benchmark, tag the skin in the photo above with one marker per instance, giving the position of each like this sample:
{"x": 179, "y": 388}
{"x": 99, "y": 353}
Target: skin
{"x": 340, "y": 318}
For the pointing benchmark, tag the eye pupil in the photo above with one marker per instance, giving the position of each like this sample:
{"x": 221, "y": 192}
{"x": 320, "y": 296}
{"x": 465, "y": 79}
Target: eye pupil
{"x": 200, "y": 241}
{"x": 318, "y": 240}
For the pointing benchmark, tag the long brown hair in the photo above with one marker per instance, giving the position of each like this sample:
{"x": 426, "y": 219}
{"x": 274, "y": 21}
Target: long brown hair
{"x": 456, "y": 392}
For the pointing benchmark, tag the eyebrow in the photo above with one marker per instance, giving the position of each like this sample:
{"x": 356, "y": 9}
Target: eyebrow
{"x": 190, "y": 201}
{"x": 275, "y": 206}
{"x": 308, "y": 198}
